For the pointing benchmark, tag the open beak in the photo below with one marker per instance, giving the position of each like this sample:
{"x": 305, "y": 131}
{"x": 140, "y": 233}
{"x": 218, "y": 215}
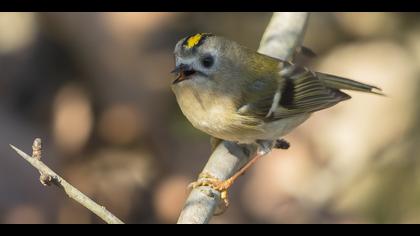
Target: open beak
{"x": 183, "y": 71}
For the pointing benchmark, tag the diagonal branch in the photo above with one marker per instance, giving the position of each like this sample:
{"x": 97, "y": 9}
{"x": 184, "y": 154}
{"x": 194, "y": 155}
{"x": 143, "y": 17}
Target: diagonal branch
{"x": 283, "y": 35}
{"x": 48, "y": 176}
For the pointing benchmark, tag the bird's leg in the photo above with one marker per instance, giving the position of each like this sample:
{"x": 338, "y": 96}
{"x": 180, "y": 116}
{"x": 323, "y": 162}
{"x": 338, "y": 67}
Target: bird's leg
{"x": 206, "y": 179}
{"x": 264, "y": 146}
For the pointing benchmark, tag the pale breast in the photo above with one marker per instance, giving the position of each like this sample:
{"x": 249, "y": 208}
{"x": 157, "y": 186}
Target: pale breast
{"x": 210, "y": 114}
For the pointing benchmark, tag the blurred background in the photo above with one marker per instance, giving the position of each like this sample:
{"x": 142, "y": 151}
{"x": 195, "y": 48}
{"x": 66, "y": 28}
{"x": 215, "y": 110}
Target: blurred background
{"x": 96, "y": 88}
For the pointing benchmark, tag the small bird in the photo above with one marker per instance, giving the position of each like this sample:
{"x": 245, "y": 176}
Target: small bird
{"x": 236, "y": 94}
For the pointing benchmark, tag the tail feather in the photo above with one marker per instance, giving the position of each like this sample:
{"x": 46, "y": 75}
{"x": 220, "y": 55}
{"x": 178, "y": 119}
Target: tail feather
{"x": 337, "y": 82}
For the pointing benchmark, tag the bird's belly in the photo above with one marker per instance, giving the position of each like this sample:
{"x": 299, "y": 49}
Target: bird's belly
{"x": 215, "y": 122}
{"x": 215, "y": 115}
{"x": 277, "y": 129}
{"x": 211, "y": 115}
{"x": 266, "y": 131}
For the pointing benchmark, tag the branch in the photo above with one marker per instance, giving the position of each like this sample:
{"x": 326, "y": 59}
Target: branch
{"x": 281, "y": 38}
{"x": 48, "y": 176}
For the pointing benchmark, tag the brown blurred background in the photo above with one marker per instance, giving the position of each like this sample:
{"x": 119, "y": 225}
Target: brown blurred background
{"x": 95, "y": 88}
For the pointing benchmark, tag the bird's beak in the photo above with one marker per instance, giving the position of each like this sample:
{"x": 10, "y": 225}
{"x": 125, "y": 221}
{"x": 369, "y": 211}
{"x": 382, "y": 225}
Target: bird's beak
{"x": 183, "y": 71}
{"x": 179, "y": 68}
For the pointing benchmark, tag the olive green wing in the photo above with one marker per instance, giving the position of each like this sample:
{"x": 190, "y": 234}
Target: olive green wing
{"x": 296, "y": 90}
{"x": 304, "y": 92}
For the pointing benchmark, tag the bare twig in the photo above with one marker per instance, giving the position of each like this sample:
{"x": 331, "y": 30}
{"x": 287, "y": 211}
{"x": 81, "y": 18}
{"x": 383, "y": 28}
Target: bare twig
{"x": 283, "y": 34}
{"x": 48, "y": 176}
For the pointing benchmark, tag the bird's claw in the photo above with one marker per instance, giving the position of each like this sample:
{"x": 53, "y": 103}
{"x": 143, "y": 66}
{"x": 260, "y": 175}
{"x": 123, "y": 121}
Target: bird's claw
{"x": 206, "y": 179}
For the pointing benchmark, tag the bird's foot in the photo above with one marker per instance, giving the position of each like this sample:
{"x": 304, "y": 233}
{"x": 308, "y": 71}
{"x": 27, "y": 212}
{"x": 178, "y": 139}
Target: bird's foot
{"x": 281, "y": 144}
{"x": 206, "y": 179}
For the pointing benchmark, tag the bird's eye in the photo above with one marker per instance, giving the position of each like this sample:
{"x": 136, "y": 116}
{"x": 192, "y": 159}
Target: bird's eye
{"x": 207, "y": 61}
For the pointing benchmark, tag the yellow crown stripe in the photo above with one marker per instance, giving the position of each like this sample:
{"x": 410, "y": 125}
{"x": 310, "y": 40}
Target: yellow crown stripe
{"x": 194, "y": 40}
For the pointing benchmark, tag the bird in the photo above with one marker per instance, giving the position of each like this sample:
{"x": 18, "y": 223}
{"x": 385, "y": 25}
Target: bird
{"x": 234, "y": 93}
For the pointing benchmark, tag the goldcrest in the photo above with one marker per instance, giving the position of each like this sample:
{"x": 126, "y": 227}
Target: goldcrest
{"x": 237, "y": 94}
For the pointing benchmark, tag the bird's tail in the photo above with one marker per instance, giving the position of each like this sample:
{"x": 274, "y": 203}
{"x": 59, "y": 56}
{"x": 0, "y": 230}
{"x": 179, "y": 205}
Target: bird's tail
{"x": 336, "y": 82}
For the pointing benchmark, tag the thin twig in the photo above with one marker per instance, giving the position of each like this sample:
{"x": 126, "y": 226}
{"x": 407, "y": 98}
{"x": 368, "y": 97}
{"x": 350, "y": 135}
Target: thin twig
{"x": 48, "y": 176}
{"x": 283, "y": 34}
